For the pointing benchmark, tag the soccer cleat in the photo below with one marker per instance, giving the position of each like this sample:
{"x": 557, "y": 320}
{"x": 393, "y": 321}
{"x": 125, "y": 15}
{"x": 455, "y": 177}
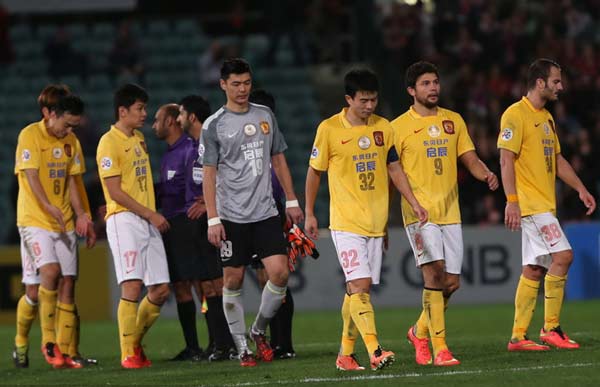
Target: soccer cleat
{"x": 71, "y": 363}
{"x": 264, "y": 351}
{"x": 557, "y": 338}
{"x": 348, "y": 363}
{"x": 188, "y": 354}
{"x": 143, "y": 360}
{"x": 422, "y": 352}
{"x": 20, "y": 356}
{"x": 283, "y": 354}
{"x": 131, "y": 362}
{"x": 444, "y": 358}
{"x": 381, "y": 359}
{"x": 525, "y": 345}
{"x": 84, "y": 360}
{"x": 247, "y": 359}
{"x": 52, "y": 355}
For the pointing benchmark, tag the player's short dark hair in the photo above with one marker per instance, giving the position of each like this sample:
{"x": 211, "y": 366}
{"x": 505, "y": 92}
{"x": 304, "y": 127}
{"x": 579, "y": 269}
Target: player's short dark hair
{"x": 415, "y": 70}
{"x": 262, "y": 97}
{"x": 540, "y": 68}
{"x": 51, "y": 94}
{"x": 171, "y": 110}
{"x": 127, "y": 95}
{"x": 234, "y": 66}
{"x": 197, "y": 105}
{"x": 360, "y": 80}
{"x": 70, "y": 103}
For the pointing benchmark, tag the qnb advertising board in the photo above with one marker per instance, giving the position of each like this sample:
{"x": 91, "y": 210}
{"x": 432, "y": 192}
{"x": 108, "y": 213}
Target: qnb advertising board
{"x": 491, "y": 270}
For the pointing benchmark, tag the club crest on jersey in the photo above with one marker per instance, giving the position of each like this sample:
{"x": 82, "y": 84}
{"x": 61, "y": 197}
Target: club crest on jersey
{"x": 264, "y": 126}
{"x": 57, "y": 153}
{"x": 26, "y": 155}
{"x": 546, "y": 129}
{"x": 314, "y": 153}
{"x": 507, "y": 134}
{"x": 68, "y": 150}
{"x": 138, "y": 151}
{"x": 144, "y": 147}
{"x": 378, "y": 137}
{"x": 249, "y": 129}
{"x": 105, "y": 163}
{"x": 200, "y": 151}
{"x": 364, "y": 142}
{"x": 434, "y": 131}
{"x": 448, "y": 126}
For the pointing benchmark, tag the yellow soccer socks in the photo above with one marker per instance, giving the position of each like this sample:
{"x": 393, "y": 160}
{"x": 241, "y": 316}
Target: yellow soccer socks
{"x": 147, "y": 314}
{"x": 26, "y": 311}
{"x": 525, "y": 300}
{"x": 554, "y": 293}
{"x": 47, "y": 300}
{"x": 363, "y": 315}
{"x": 65, "y": 326}
{"x": 433, "y": 307}
{"x": 349, "y": 331}
{"x": 126, "y": 316}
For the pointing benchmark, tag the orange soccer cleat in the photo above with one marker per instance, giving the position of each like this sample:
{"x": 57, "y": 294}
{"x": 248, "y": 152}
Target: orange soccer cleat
{"x": 422, "y": 352}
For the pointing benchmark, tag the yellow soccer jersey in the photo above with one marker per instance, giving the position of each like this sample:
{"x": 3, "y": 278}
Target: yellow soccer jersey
{"x": 530, "y": 134}
{"x": 119, "y": 155}
{"x": 429, "y": 148}
{"x": 355, "y": 158}
{"x": 54, "y": 159}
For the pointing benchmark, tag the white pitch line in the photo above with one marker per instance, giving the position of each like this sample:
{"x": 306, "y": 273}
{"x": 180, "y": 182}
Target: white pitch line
{"x": 411, "y": 375}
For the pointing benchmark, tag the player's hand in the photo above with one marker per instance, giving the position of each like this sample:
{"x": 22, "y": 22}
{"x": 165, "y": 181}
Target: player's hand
{"x": 512, "y": 216}
{"x": 82, "y": 224}
{"x": 492, "y": 181}
{"x": 197, "y": 209}
{"x": 588, "y": 200}
{"x": 421, "y": 214}
{"x": 216, "y": 234}
{"x": 56, "y": 213}
{"x": 90, "y": 240}
{"x": 295, "y": 214}
{"x": 311, "y": 227}
{"x": 159, "y": 221}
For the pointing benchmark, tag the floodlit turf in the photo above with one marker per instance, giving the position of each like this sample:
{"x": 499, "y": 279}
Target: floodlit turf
{"x": 476, "y": 334}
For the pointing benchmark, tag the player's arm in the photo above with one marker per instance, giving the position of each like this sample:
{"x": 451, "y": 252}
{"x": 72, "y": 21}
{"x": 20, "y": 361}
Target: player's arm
{"x": 401, "y": 183}
{"x": 81, "y": 207}
{"x": 479, "y": 170}
{"x": 512, "y": 213}
{"x": 216, "y": 231}
{"x": 113, "y": 185}
{"x": 282, "y": 171}
{"x": 566, "y": 173}
{"x": 313, "y": 180}
{"x": 33, "y": 178}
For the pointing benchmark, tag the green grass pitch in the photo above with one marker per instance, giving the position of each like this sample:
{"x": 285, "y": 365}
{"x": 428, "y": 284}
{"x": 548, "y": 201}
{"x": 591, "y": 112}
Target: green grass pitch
{"x": 477, "y": 335}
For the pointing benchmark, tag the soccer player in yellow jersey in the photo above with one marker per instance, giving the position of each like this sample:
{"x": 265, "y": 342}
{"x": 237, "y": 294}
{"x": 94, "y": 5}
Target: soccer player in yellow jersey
{"x": 430, "y": 140}
{"x": 132, "y": 224}
{"x": 356, "y": 148}
{"x": 48, "y": 156}
{"x": 530, "y": 160}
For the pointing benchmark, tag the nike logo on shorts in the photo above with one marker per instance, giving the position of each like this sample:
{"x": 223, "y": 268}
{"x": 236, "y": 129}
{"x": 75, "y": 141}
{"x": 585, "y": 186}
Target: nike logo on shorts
{"x": 350, "y": 272}
{"x": 554, "y": 244}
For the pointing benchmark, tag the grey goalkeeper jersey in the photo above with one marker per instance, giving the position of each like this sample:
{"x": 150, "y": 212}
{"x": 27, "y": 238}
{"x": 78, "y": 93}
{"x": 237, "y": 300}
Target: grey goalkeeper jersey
{"x": 240, "y": 145}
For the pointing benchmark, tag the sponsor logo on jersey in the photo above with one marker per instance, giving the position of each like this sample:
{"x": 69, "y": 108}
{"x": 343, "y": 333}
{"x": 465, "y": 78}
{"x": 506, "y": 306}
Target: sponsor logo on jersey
{"x": 507, "y": 134}
{"x": 249, "y": 129}
{"x": 378, "y": 137}
{"x": 264, "y": 126}
{"x": 200, "y": 152}
{"x": 434, "y": 131}
{"x": 364, "y": 142}
{"x": 138, "y": 151}
{"x": 314, "y": 153}
{"x": 106, "y": 163}
{"x": 68, "y": 150}
{"x": 57, "y": 153}
{"x": 448, "y": 126}
{"x": 26, "y": 156}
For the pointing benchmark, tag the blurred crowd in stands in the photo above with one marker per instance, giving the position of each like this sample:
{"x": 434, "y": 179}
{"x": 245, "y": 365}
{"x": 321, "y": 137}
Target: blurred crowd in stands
{"x": 482, "y": 48}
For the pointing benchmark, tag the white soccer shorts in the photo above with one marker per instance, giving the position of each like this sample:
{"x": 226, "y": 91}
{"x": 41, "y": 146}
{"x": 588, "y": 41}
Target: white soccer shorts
{"x": 137, "y": 249}
{"x": 40, "y": 247}
{"x": 359, "y": 256}
{"x": 433, "y": 242}
{"x": 541, "y": 236}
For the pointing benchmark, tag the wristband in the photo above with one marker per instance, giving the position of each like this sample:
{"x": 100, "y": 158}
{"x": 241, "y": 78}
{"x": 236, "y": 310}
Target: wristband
{"x": 292, "y": 203}
{"x": 512, "y": 198}
{"x": 214, "y": 221}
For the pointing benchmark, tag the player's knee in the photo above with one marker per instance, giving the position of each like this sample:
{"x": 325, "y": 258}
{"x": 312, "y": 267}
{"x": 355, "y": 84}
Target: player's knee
{"x": 564, "y": 258}
{"x": 158, "y": 294}
{"x": 50, "y": 273}
{"x": 451, "y": 288}
{"x": 280, "y": 278}
{"x": 208, "y": 289}
{"x": 183, "y": 291}
{"x": 31, "y": 291}
{"x": 66, "y": 289}
{"x": 534, "y": 272}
